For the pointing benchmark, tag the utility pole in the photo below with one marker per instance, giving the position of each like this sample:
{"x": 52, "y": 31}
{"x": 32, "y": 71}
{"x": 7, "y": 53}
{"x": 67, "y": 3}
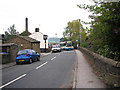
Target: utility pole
{"x": 80, "y": 32}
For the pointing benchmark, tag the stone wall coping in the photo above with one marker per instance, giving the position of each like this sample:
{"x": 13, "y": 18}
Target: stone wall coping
{"x": 102, "y": 58}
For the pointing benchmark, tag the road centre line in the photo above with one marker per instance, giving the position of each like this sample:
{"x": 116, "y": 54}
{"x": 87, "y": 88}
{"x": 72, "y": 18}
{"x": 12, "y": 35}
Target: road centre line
{"x": 13, "y": 81}
{"x": 41, "y": 65}
{"x": 53, "y": 58}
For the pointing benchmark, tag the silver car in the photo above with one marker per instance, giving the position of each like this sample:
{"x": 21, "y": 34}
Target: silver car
{"x": 56, "y": 48}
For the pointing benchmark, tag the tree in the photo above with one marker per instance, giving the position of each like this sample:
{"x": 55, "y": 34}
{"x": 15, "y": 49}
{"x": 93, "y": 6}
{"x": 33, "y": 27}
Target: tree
{"x": 105, "y": 28}
{"x": 72, "y": 32}
{"x": 25, "y": 33}
{"x": 11, "y": 31}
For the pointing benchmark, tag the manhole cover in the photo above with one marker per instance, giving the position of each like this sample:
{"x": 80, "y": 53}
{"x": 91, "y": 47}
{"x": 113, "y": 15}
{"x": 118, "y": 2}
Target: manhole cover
{"x": 90, "y": 81}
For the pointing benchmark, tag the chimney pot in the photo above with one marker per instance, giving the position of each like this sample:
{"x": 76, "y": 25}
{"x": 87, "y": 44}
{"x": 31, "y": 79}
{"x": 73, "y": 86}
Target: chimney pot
{"x": 36, "y": 29}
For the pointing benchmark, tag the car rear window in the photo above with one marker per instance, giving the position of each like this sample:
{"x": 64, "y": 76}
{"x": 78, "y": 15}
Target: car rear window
{"x": 55, "y": 46}
{"x": 22, "y": 52}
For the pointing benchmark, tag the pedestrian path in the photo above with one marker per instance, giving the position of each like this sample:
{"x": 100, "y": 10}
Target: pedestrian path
{"x": 85, "y": 77}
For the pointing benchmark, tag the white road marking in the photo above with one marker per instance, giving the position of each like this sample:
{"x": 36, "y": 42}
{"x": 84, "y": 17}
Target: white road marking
{"x": 13, "y": 81}
{"x": 53, "y": 58}
{"x": 41, "y": 65}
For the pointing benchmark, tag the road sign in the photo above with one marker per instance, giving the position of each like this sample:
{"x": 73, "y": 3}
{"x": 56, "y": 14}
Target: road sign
{"x": 45, "y": 37}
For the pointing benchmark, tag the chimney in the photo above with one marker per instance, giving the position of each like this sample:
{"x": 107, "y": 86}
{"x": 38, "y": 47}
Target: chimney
{"x": 26, "y": 24}
{"x": 36, "y": 29}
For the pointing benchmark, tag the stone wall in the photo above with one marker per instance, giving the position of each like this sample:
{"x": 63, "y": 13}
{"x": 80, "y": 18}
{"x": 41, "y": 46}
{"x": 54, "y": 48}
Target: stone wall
{"x": 11, "y": 52}
{"x": 22, "y": 43}
{"x": 107, "y": 69}
{"x": 36, "y": 47}
{"x": 25, "y": 44}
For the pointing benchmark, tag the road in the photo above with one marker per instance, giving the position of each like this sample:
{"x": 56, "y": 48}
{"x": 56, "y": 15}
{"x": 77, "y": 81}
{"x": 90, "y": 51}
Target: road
{"x": 53, "y": 71}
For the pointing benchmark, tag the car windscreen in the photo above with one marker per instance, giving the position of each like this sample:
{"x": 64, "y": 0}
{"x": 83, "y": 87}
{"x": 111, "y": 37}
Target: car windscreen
{"x": 68, "y": 45}
{"x": 55, "y": 46}
{"x": 22, "y": 52}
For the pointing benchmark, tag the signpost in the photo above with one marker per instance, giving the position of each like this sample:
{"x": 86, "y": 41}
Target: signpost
{"x": 45, "y": 38}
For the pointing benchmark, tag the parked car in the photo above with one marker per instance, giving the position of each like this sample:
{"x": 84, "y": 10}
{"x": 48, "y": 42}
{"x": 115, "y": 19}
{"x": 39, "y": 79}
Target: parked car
{"x": 56, "y": 48}
{"x": 27, "y": 55}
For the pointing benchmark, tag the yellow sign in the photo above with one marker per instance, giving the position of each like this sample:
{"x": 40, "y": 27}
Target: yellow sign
{"x": 68, "y": 41}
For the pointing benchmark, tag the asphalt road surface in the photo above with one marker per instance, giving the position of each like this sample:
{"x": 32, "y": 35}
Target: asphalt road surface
{"x": 53, "y": 71}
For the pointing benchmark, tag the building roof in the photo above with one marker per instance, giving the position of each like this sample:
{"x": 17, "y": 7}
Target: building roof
{"x": 37, "y": 33}
{"x": 29, "y": 39}
{"x": 7, "y": 44}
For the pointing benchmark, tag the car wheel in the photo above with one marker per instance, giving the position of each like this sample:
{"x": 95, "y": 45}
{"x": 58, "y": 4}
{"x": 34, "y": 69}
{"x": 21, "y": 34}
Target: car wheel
{"x": 17, "y": 63}
{"x": 38, "y": 59}
{"x": 30, "y": 61}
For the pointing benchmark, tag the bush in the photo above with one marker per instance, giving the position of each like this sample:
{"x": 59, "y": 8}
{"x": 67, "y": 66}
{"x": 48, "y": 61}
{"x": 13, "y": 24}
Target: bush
{"x": 107, "y": 52}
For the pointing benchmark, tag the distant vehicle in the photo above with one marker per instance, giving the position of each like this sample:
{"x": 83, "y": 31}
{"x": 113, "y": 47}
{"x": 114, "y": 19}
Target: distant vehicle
{"x": 56, "y": 48}
{"x": 69, "y": 45}
{"x": 27, "y": 55}
{"x": 62, "y": 45}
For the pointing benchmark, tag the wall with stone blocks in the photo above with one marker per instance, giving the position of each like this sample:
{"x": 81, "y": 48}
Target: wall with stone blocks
{"x": 108, "y": 69}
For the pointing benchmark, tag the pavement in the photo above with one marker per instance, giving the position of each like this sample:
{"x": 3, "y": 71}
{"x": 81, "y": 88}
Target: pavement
{"x": 14, "y": 63}
{"x": 84, "y": 76}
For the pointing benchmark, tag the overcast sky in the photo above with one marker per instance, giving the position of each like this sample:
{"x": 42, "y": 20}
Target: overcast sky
{"x": 50, "y": 15}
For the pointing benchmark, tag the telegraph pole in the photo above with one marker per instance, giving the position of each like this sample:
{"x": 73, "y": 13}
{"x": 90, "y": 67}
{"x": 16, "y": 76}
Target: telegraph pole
{"x": 80, "y": 32}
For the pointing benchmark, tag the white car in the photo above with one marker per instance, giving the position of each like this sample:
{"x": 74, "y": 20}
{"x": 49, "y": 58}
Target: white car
{"x": 56, "y": 48}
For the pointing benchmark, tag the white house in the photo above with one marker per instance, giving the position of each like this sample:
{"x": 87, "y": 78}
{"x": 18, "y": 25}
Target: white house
{"x": 39, "y": 36}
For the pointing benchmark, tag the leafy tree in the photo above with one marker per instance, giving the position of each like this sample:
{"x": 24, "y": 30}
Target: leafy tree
{"x": 11, "y": 31}
{"x": 105, "y": 28}
{"x": 72, "y": 32}
{"x": 25, "y": 33}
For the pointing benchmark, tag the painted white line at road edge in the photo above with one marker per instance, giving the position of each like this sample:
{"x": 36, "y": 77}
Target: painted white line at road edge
{"x": 13, "y": 81}
{"x": 53, "y": 58}
{"x": 41, "y": 65}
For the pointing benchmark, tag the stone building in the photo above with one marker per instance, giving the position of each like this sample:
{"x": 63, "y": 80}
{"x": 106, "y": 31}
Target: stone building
{"x": 25, "y": 42}
{"x": 8, "y": 52}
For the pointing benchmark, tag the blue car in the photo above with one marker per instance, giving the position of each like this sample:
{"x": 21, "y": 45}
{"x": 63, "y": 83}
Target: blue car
{"x": 27, "y": 55}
